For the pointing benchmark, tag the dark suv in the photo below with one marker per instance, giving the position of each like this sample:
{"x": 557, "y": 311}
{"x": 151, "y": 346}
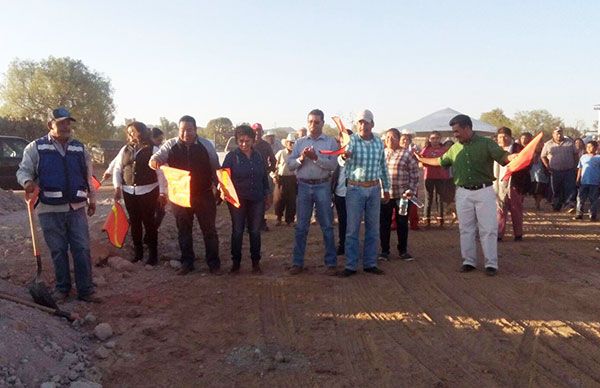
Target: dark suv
{"x": 11, "y": 153}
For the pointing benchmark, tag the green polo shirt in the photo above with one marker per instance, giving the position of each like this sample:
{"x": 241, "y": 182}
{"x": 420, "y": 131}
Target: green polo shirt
{"x": 473, "y": 162}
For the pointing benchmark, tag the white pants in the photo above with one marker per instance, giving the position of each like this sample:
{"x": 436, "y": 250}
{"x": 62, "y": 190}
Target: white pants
{"x": 476, "y": 209}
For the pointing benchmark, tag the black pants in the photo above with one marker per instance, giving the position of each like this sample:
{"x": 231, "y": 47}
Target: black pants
{"x": 249, "y": 213}
{"x": 434, "y": 187}
{"x": 385, "y": 226}
{"x": 141, "y": 210}
{"x": 205, "y": 210}
{"x": 284, "y": 197}
{"x": 340, "y": 208}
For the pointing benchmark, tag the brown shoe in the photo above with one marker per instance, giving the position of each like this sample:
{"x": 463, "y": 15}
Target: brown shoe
{"x": 331, "y": 271}
{"x": 184, "y": 271}
{"x": 59, "y": 296}
{"x": 216, "y": 271}
{"x": 295, "y": 270}
{"x": 91, "y": 298}
{"x": 256, "y": 269}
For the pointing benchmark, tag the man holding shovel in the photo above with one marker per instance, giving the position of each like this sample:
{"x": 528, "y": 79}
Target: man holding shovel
{"x": 59, "y": 168}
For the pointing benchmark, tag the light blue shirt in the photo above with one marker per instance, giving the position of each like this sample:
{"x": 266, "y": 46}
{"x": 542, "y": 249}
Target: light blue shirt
{"x": 590, "y": 169}
{"x": 313, "y": 169}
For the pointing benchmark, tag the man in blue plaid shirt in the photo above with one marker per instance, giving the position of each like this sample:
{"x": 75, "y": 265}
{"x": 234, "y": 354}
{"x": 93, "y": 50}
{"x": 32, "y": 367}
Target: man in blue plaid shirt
{"x": 366, "y": 172}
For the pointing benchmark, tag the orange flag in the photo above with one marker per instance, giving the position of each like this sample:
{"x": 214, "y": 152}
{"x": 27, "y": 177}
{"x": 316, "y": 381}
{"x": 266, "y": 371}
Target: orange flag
{"x": 178, "y": 182}
{"x": 524, "y": 157}
{"x": 344, "y": 134}
{"x": 96, "y": 183}
{"x": 228, "y": 192}
{"x": 116, "y": 225}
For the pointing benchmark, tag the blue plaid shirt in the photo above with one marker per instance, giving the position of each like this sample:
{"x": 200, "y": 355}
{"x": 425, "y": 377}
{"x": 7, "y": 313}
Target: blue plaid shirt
{"x": 367, "y": 162}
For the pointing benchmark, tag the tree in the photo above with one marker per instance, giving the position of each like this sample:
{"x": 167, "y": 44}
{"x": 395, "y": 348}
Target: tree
{"x": 169, "y": 128}
{"x": 535, "y": 121}
{"x": 30, "y": 89}
{"x": 28, "y": 129}
{"x": 330, "y": 131}
{"x": 218, "y": 130}
{"x": 497, "y": 118}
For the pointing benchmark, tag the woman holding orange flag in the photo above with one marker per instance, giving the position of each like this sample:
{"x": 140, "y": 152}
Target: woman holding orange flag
{"x": 251, "y": 181}
{"x": 138, "y": 185}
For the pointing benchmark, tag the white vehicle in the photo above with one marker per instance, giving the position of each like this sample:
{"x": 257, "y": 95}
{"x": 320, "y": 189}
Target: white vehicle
{"x": 230, "y": 146}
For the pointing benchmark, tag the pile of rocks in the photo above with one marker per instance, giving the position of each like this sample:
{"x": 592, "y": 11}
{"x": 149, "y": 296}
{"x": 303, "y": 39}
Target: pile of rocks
{"x": 37, "y": 349}
{"x": 10, "y": 202}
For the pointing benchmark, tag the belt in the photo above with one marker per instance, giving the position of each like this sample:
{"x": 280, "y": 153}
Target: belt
{"x": 477, "y": 187}
{"x": 313, "y": 181}
{"x": 363, "y": 184}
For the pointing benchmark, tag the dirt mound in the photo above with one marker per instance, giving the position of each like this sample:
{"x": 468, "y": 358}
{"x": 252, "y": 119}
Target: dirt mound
{"x": 37, "y": 347}
{"x": 10, "y": 202}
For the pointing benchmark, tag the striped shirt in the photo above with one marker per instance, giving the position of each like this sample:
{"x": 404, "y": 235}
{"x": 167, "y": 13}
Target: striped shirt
{"x": 403, "y": 170}
{"x": 367, "y": 162}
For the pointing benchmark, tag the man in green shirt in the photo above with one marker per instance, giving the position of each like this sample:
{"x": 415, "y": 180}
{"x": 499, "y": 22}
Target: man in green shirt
{"x": 472, "y": 160}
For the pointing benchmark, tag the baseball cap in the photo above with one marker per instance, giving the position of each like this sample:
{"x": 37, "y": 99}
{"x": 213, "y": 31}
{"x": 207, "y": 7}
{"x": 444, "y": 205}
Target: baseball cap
{"x": 365, "y": 115}
{"x": 257, "y": 127}
{"x": 557, "y": 129}
{"x": 60, "y": 114}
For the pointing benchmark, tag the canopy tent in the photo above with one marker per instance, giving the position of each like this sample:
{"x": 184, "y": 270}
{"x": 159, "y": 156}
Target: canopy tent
{"x": 438, "y": 121}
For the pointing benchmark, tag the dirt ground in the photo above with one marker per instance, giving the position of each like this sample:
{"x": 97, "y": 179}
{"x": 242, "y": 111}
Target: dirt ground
{"x": 423, "y": 323}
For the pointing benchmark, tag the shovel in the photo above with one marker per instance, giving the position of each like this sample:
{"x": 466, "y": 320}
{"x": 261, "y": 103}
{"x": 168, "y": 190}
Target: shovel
{"x": 38, "y": 290}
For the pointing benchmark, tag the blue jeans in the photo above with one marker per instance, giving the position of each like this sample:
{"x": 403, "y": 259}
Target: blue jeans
{"x": 309, "y": 197}
{"x": 251, "y": 212}
{"x": 362, "y": 201}
{"x": 588, "y": 192}
{"x": 66, "y": 231}
{"x": 564, "y": 188}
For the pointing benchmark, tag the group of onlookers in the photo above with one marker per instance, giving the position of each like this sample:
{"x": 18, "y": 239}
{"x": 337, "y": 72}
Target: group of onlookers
{"x": 368, "y": 180}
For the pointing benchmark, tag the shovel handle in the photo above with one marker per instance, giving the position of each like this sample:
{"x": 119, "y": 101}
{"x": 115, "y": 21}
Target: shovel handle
{"x": 57, "y": 312}
{"x": 32, "y": 226}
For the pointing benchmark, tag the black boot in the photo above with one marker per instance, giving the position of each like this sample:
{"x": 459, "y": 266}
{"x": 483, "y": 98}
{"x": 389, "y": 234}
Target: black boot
{"x": 152, "y": 255}
{"x": 256, "y": 267}
{"x": 138, "y": 253}
{"x": 235, "y": 267}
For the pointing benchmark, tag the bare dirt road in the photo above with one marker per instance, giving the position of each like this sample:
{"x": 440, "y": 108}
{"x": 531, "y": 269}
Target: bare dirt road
{"x": 421, "y": 324}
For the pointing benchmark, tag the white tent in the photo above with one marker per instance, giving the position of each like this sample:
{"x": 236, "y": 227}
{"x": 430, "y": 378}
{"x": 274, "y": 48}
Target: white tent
{"x": 438, "y": 121}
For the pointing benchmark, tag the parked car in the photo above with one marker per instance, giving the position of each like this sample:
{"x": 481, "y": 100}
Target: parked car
{"x": 106, "y": 151}
{"x": 11, "y": 153}
{"x": 230, "y": 146}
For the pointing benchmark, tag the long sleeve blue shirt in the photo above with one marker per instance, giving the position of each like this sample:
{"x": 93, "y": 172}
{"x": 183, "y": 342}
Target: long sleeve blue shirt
{"x": 249, "y": 175}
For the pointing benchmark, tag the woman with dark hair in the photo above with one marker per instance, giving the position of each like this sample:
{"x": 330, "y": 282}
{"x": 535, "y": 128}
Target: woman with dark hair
{"x": 138, "y": 185}
{"x": 436, "y": 178}
{"x": 251, "y": 181}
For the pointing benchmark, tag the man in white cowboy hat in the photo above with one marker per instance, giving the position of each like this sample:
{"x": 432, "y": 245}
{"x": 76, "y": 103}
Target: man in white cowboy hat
{"x": 284, "y": 197}
{"x": 269, "y": 137}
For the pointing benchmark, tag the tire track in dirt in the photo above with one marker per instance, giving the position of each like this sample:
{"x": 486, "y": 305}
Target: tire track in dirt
{"x": 544, "y": 345}
{"x": 417, "y": 343}
{"x": 360, "y": 354}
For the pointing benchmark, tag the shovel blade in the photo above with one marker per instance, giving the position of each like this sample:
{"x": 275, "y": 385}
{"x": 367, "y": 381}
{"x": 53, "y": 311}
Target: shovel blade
{"x": 41, "y": 295}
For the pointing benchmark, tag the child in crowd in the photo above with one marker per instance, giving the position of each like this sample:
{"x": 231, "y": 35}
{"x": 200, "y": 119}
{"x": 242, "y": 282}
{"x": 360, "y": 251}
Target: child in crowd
{"x": 588, "y": 179}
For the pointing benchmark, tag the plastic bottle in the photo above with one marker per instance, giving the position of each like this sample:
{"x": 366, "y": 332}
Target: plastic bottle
{"x": 403, "y": 206}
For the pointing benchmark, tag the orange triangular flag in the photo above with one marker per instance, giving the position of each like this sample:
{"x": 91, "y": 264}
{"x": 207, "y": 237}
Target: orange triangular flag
{"x": 343, "y": 133}
{"x": 524, "y": 157}
{"x": 96, "y": 183}
{"x": 178, "y": 182}
{"x": 116, "y": 225}
{"x": 227, "y": 189}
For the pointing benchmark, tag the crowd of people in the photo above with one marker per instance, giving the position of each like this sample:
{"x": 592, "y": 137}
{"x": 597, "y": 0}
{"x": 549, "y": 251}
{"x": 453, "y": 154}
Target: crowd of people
{"x": 371, "y": 180}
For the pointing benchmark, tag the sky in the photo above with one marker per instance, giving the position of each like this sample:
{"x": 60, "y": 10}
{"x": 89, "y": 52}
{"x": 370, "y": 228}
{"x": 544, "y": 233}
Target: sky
{"x": 274, "y": 61}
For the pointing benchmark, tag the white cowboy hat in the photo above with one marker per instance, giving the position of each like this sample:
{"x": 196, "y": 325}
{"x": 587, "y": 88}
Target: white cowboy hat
{"x": 290, "y": 137}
